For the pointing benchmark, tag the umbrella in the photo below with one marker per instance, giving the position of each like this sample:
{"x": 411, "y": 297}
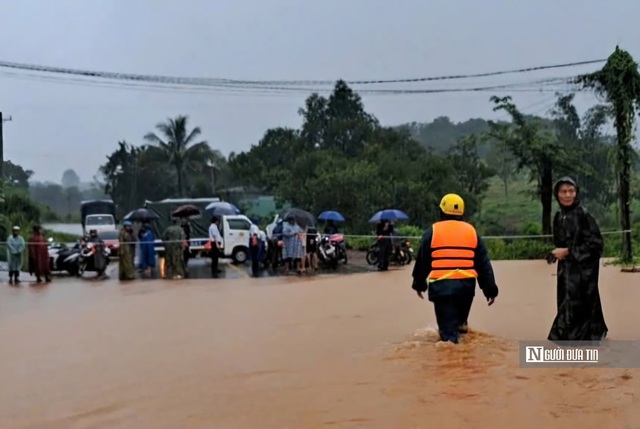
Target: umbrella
{"x": 331, "y": 215}
{"x": 391, "y": 215}
{"x": 186, "y": 211}
{"x": 301, "y": 217}
{"x": 221, "y": 208}
{"x": 141, "y": 215}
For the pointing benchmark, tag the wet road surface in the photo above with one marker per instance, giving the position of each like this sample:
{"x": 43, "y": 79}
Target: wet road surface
{"x": 301, "y": 352}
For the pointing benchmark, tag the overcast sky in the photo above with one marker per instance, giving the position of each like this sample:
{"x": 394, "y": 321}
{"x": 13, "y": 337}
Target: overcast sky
{"x": 59, "y": 125}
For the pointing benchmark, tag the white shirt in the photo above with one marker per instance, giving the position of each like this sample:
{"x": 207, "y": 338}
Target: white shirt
{"x": 214, "y": 233}
{"x": 254, "y": 230}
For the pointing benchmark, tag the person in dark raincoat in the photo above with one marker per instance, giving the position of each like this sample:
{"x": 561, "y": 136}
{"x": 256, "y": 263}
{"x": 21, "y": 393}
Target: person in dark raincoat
{"x": 126, "y": 252}
{"x": 385, "y": 246}
{"x": 174, "y": 251}
{"x": 450, "y": 260}
{"x": 147, "y": 250}
{"x": 39, "y": 255}
{"x": 579, "y": 247}
{"x": 330, "y": 228}
{"x": 99, "y": 258}
{"x": 186, "y": 227}
{"x": 257, "y": 252}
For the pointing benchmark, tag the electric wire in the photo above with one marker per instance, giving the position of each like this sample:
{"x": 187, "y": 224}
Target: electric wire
{"x": 219, "y": 81}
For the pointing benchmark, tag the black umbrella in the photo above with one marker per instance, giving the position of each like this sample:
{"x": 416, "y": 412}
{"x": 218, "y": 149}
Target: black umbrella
{"x": 186, "y": 211}
{"x": 141, "y": 215}
{"x": 301, "y": 217}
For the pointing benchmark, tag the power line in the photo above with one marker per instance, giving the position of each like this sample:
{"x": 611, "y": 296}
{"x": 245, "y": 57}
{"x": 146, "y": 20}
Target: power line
{"x": 541, "y": 85}
{"x": 232, "y": 82}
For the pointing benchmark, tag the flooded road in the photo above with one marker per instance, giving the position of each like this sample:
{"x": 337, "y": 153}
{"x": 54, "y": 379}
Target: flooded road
{"x": 66, "y": 228}
{"x": 287, "y": 352}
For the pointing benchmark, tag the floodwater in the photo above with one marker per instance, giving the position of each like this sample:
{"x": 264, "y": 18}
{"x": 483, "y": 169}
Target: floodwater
{"x": 335, "y": 351}
{"x": 66, "y": 228}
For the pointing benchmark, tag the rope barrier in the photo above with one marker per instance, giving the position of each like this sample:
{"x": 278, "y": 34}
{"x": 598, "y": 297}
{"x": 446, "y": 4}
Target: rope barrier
{"x": 372, "y": 237}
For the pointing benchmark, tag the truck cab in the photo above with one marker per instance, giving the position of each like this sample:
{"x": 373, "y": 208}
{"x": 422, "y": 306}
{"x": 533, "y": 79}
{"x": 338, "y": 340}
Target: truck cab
{"x": 235, "y": 236}
{"x": 99, "y": 215}
{"x": 100, "y": 222}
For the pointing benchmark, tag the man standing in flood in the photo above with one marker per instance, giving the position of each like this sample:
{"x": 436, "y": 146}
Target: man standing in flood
{"x": 126, "y": 252}
{"x": 174, "y": 251}
{"x": 450, "y": 259}
{"x": 579, "y": 247}
{"x": 39, "y": 255}
{"x": 15, "y": 249}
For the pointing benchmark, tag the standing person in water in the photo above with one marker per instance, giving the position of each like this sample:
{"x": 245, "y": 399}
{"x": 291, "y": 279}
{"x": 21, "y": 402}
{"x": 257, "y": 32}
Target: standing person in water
{"x": 450, "y": 260}
{"x": 126, "y": 252}
{"x": 39, "y": 255}
{"x": 579, "y": 247}
{"x": 15, "y": 249}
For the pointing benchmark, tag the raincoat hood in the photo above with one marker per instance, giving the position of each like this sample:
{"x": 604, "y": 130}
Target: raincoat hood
{"x": 569, "y": 181}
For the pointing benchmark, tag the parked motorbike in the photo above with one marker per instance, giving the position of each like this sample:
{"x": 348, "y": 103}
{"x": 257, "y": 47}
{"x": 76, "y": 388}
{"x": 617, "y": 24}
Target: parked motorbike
{"x": 86, "y": 260}
{"x": 63, "y": 257}
{"x": 332, "y": 250}
{"x": 402, "y": 253}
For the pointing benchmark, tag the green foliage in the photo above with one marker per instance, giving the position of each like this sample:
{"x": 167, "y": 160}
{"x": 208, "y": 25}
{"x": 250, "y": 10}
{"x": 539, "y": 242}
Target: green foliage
{"x": 19, "y": 209}
{"x": 619, "y": 82}
{"x": 342, "y": 159}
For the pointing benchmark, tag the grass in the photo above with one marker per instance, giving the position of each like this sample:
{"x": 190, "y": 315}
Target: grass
{"x": 512, "y": 214}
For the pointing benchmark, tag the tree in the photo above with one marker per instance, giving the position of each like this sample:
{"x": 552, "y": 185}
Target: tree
{"x": 535, "y": 147}
{"x": 178, "y": 148}
{"x": 619, "y": 82}
{"x": 588, "y": 150}
{"x": 16, "y": 176}
{"x": 70, "y": 179}
{"x": 470, "y": 170}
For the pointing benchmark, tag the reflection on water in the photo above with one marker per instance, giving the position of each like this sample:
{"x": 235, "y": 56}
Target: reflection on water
{"x": 338, "y": 351}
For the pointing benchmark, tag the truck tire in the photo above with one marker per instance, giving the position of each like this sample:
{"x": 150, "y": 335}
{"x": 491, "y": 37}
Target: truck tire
{"x": 240, "y": 255}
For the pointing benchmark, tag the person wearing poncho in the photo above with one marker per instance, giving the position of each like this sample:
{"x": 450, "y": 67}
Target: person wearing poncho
{"x": 174, "y": 243}
{"x": 126, "y": 252}
{"x": 15, "y": 249}
{"x": 579, "y": 247}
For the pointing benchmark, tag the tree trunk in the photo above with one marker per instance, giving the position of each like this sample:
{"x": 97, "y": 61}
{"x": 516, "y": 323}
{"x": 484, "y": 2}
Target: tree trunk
{"x": 505, "y": 182}
{"x": 625, "y": 197}
{"x": 546, "y": 196}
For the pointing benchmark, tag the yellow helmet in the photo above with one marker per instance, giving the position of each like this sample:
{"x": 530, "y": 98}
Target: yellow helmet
{"x": 452, "y": 204}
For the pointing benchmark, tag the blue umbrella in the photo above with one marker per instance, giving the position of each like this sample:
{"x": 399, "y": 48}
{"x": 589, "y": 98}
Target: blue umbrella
{"x": 389, "y": 215}
{"x": 331, "y": 215}
{"x": 221, "y": 208}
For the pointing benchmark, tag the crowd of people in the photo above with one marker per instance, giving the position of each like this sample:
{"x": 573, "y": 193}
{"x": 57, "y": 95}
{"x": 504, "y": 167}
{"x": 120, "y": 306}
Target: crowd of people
{"x": 451, "y": 259}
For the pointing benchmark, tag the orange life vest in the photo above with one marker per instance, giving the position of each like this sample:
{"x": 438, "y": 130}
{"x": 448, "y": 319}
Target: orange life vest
{"x": 453, "y": 251}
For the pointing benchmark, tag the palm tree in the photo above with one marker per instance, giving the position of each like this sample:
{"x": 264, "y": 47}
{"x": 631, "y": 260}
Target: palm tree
{"x": 178, "y": 148}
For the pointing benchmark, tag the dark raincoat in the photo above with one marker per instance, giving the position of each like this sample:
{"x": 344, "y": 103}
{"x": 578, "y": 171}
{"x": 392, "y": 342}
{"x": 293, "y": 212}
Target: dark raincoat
{"x": 99, "y": 258}
{"x": 580, "y": 316}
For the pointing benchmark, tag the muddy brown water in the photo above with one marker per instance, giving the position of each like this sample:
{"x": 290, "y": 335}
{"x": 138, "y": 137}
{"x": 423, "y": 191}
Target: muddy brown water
{"x": 335, "y": 351}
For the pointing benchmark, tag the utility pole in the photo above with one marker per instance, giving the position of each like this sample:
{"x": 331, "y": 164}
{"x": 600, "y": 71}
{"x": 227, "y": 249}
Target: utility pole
{"x": 2, "y": 121}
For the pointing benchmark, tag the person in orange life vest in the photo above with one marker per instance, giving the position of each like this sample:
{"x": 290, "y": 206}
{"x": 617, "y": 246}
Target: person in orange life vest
{"x": 450, "y": 259}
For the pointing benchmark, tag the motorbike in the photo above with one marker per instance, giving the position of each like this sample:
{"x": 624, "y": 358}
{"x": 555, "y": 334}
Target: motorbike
{"x": 402, "y": 253}
{"x": 86, "y": 259}
{"x": 63, "y": 257}
{"x": 332, "y": 250}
